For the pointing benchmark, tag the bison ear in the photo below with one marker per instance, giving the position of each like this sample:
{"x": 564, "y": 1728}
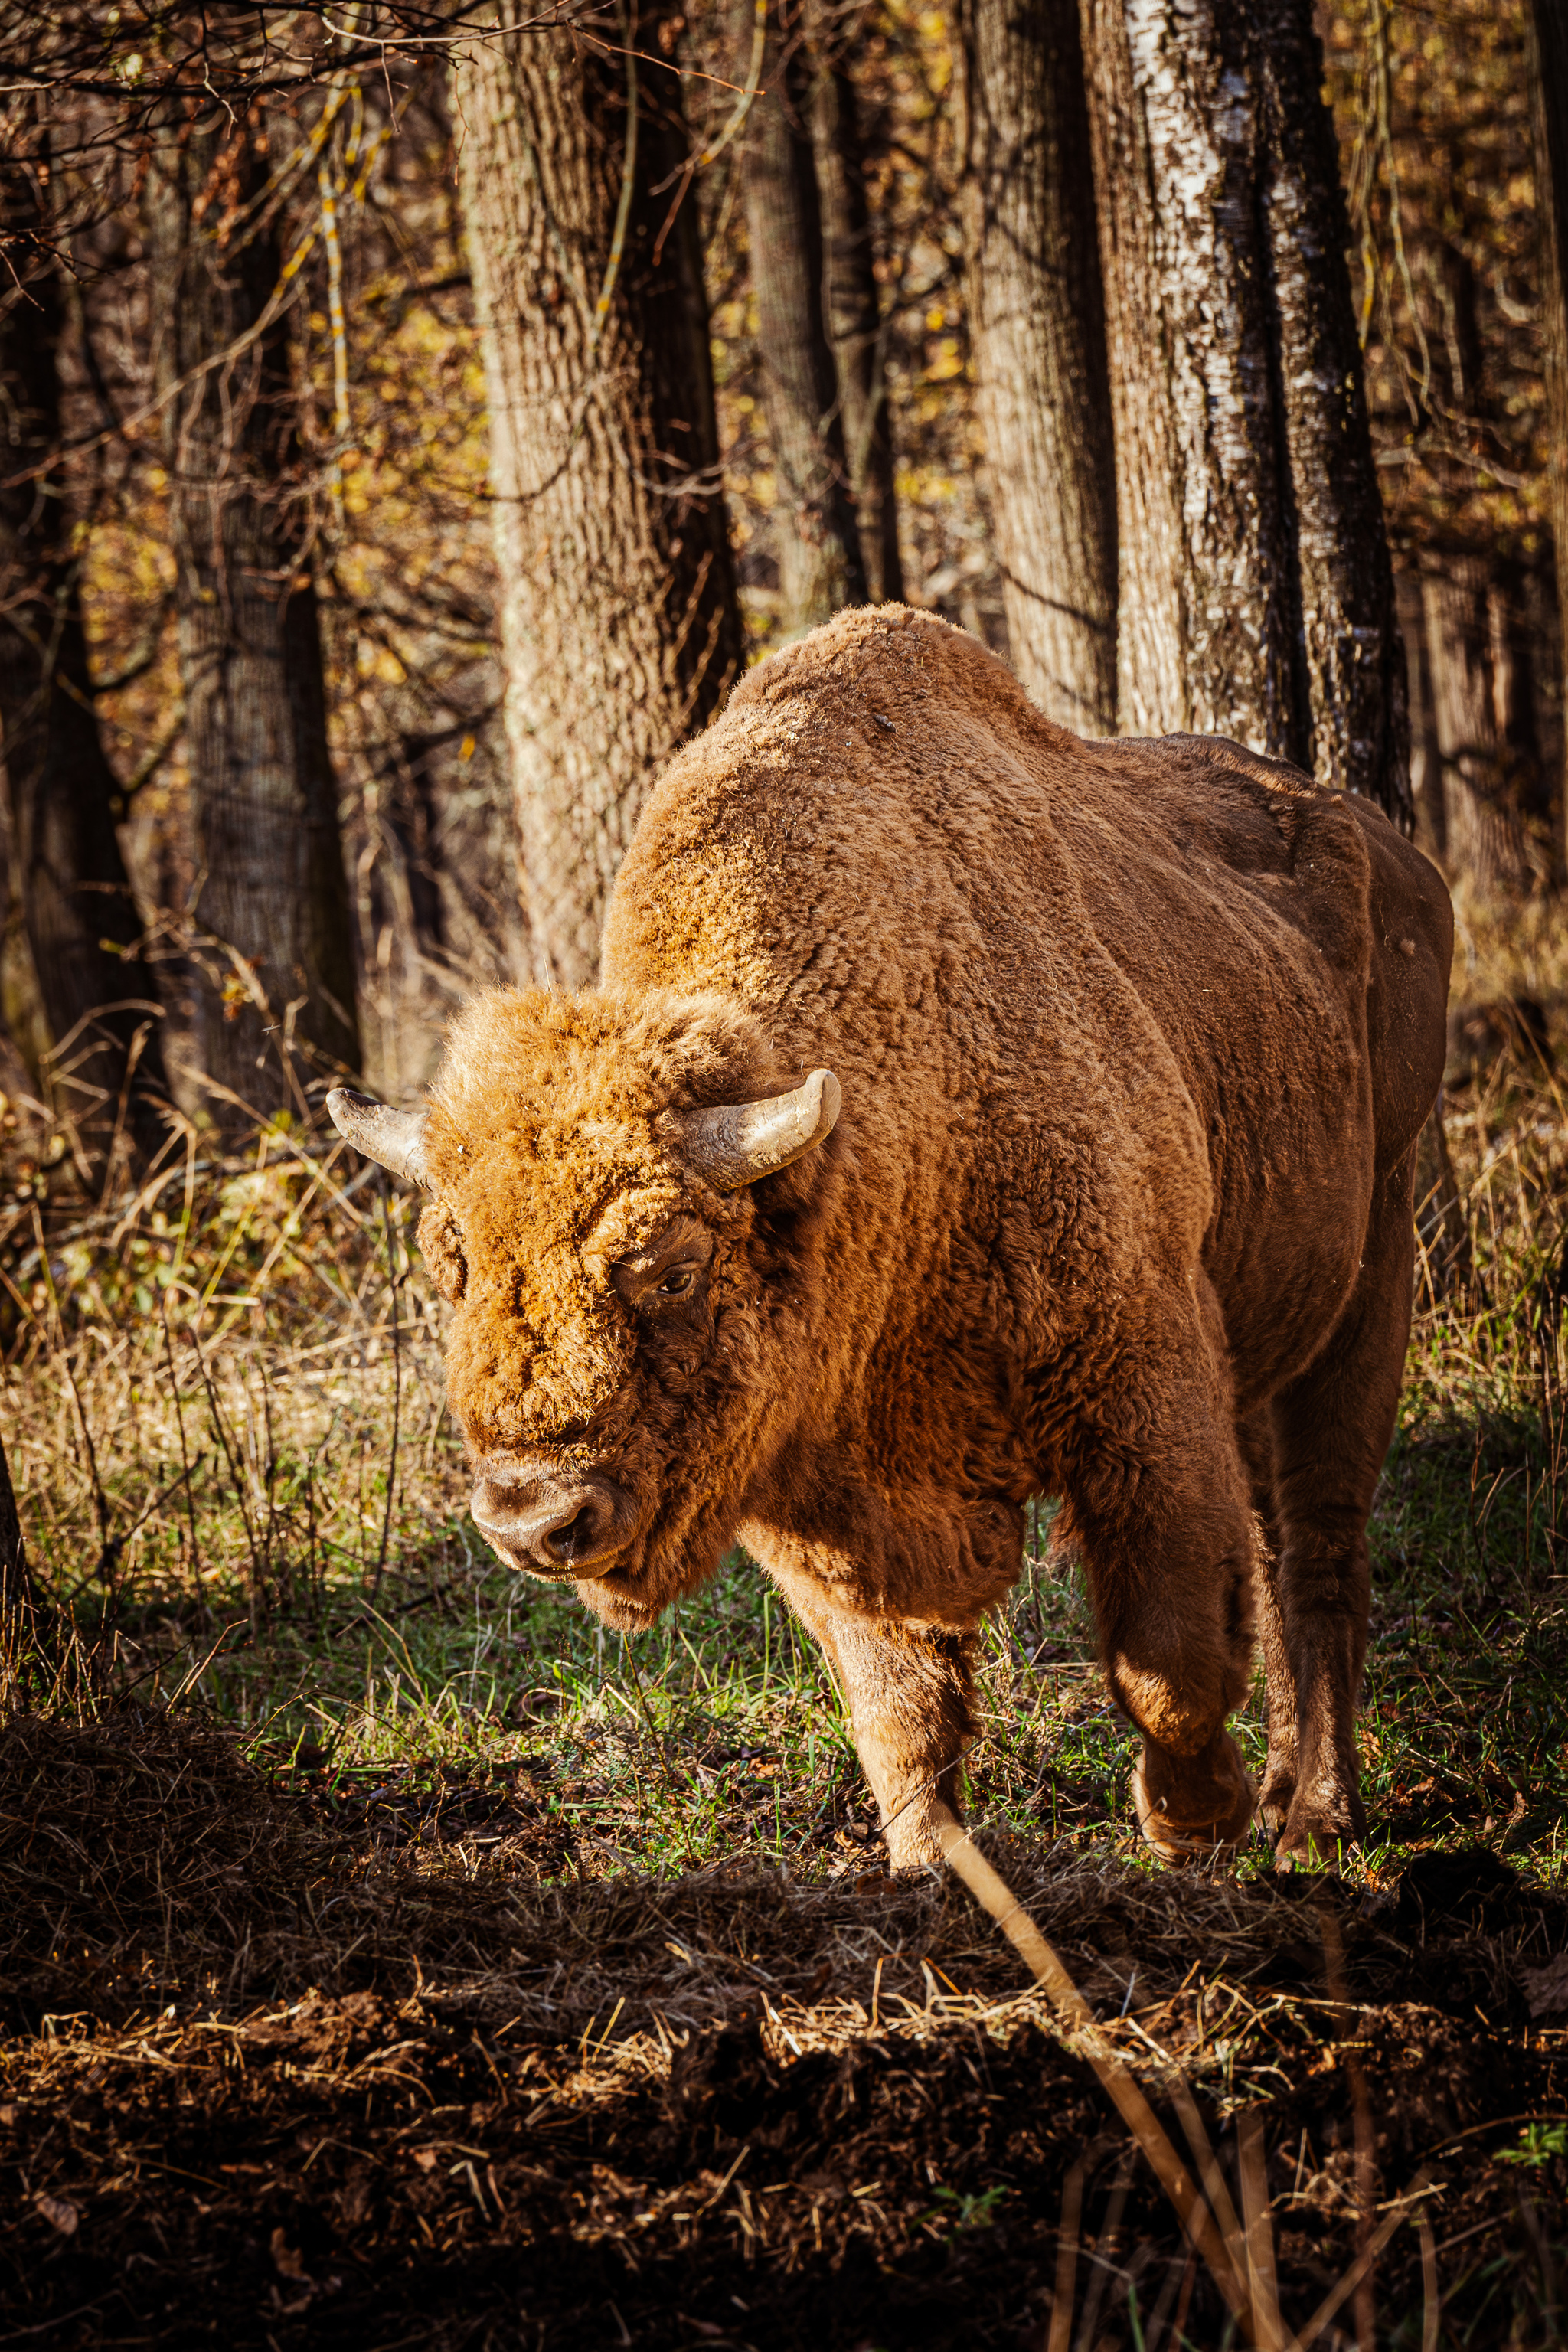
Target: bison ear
{"x": 735, "y": 1144}
{"x": 441, "y": 1246}
{"x": 392, "y": 1138}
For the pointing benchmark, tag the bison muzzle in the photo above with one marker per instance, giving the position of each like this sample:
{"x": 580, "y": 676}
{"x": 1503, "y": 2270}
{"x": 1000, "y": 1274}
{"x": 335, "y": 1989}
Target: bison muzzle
{"x": 965, "y": 1113}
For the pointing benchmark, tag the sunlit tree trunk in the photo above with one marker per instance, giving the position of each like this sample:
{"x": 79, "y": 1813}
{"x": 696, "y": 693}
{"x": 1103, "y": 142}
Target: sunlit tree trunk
{"x": 1549, "y": 108}
{"x": 272, "y": 894}
{"x": 1256, "y": 598}
{"x": 82, "y": 1004}
{"x": 854, "y": 311}
{"x": 1039, "y": 334}
{"x": 820, "y": 566}
{"x": 620, "y": 624}
{"x": 1206, "y": 603}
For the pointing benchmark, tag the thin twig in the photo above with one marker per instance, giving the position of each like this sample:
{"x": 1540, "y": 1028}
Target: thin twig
{"x": 994, "y": 1894}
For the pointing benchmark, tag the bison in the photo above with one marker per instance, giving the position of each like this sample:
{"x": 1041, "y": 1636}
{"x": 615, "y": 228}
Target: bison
{"x": 965, "y": 1112}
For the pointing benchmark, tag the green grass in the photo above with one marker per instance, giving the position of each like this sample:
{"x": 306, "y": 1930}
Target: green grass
{"x": 238, "y": 1480}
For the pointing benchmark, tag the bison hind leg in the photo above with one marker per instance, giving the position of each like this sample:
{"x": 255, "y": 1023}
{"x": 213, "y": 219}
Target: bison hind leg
{"x": 1331, "y": 1431}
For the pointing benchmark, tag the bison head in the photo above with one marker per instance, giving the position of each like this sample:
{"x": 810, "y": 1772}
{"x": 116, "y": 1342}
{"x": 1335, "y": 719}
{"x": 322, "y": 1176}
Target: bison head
{"x": 620, "y": 1291}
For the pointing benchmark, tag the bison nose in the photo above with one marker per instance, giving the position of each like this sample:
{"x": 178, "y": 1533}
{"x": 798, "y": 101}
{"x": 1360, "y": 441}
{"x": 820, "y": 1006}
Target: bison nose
{"x": 558, "y": 1529}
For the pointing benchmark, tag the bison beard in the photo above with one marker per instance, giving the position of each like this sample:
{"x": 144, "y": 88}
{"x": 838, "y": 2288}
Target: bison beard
{"x": 1134, "y": 1043}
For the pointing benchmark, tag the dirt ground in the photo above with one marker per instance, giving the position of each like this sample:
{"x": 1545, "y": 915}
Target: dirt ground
{"x": 279, "y": 2070}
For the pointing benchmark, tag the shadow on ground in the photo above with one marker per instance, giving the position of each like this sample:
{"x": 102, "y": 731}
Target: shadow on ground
{"x": 269, "y": 2079}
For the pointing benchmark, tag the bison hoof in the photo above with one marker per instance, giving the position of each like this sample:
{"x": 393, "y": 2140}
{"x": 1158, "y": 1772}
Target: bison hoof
{"x": 1196, "y": 1809}
{"x": 1318, "y": 1836}
{"x": 1276, "y": 1798}
{"x": 911, "y": 1843}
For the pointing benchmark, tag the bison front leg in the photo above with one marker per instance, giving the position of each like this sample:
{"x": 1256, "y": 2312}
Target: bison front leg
{"x": 909, "y": 1692}
{"x": 907, "y": 1689}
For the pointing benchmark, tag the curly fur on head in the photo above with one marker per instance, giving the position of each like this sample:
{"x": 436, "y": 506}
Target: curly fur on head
{"x": 554, "y": 1155}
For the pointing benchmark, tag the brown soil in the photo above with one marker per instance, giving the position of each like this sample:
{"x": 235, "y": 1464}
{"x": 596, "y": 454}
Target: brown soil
{"x": 267, "y": 2084}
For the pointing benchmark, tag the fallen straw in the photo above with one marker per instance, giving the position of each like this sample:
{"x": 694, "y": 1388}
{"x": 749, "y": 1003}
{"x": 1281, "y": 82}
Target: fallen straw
{"x": 1243, "y": 2270}
{"x": 965, "y": 1857}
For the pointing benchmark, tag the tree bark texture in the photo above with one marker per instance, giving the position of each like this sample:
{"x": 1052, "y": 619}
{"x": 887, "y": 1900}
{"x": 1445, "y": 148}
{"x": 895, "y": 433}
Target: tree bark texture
{"x": 620, "y": 622}
{"x": 266, "y": 845}
{"x": 1469, "y": 654}
{"x": 1549, "y": 109}
{"x": 854, "y": 317}
{"x": 90, "y": 1032}
{"x": 1205, "y": 634}
{"x": 820, "y": 566}
{"x": 1256, "y": 597}
{"x": 1039, "y": 328}
{"x": 1349, "y": 678}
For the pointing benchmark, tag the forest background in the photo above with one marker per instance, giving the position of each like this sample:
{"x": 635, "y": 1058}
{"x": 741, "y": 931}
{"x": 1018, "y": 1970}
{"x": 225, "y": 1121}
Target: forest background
{"x": 246, "y": 356}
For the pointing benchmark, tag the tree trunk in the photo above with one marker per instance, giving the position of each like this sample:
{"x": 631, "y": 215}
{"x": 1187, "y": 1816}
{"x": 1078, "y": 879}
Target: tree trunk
{"x": 1548, "y": 114}
{"x": 1256, "y": 597}
{"x": 854, "y": 319}
{"x": 1483, "y": 827}
{"x": 820, "y": 567}
{"x": 1425, "y": 758}
{"x": 620, "y": 622}
{"x": 1350, "y": 684}
{"x": 1207, "y": 589}
{"x": 272, "y": 895}
{"x": 1039, "y": 331}
{"x": 82, "y": 1000}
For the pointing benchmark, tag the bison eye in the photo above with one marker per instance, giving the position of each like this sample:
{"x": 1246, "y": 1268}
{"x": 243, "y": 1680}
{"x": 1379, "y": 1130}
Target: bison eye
{"x": 678, "y": 1283}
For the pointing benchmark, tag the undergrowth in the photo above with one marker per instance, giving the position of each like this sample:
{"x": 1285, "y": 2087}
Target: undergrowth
{"x": 241, "y": 1491}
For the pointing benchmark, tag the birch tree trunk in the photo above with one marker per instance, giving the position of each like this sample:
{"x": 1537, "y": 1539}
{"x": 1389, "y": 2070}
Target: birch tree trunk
{"x": 280, "y": 1004}
{"x": 90, "y": 1034}
{"x": 854, "y": 319}
{"x": 1256, "y": 597}
{"x": 1207, "y": 607}
{"x": 1549, "y": 114}
{"x": 820, "y": 566}
{"x": 1039, "y": 328}
{"x": 620, "y": 624}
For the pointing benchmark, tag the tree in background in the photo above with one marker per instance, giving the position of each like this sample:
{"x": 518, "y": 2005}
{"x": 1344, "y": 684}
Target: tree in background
{"x": 81, "y": 1000}
{"x": 1549, "y": 125}
{"x": 1256, "y": 594}
{"x": 852, "y": 302}
{"x": 1038, "y": 325}
{"x": 620, "y": 628}
{"x": 1436, "y": 118}
{"x": 270, "y": 891}
{"x": 820, "y": 564}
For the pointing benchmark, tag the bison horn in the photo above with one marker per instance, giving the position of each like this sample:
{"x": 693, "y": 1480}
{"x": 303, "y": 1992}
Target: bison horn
{"x": 392, "y": 1138}
{"x": 735, "y": 1143}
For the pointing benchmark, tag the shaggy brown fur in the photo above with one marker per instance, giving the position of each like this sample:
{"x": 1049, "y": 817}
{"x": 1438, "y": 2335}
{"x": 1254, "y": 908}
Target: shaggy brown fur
{"x": 1135, "y": 1041}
